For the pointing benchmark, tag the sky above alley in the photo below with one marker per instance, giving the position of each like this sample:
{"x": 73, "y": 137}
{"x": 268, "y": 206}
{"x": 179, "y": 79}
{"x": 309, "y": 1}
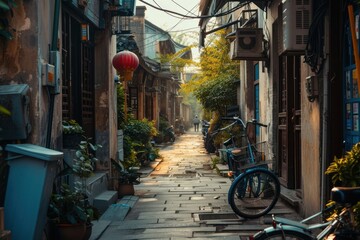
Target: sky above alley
{"x": 176, "y": 25}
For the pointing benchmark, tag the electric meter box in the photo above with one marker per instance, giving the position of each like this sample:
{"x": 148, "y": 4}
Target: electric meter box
{"x": 14, "y": 120}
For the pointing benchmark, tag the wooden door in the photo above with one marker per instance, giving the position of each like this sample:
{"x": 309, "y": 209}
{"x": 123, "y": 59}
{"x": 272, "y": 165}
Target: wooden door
{"x": 290, "y": 122}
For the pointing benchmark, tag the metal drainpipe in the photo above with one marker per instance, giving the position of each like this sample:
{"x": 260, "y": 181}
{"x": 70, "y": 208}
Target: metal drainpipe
{"x": 51, "y": 90}
{"x": 325, "y": 118}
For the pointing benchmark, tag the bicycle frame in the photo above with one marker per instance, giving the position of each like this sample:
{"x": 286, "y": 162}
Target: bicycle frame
{"x": 249, "y": 146}
{"x": 342, "y": 221}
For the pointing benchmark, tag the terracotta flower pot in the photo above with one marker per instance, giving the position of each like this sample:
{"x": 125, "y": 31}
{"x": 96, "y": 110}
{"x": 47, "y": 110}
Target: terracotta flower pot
{"x": 88, "y": 231}
{"x": 125, "y": 189}
{"x": 70, "y": 231}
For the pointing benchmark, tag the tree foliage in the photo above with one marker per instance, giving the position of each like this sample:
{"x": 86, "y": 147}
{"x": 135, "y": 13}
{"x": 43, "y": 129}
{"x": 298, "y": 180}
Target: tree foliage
{"x": 214, "y": 85}
{"x": 218, "y": 93}
{"x": 176, "y": 61}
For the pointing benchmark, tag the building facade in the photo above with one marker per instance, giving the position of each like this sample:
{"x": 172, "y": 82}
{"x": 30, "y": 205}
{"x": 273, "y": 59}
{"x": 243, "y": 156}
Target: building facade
{"x": 295, "y": 78}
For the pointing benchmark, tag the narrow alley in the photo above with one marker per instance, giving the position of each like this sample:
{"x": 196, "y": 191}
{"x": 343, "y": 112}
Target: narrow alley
{"x": 182, "y": 197}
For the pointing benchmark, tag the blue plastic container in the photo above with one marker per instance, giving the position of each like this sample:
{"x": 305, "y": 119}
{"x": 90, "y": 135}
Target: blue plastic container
{"x": 29, "y": 187}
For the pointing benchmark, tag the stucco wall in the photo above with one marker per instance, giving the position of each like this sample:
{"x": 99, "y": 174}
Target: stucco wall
{"x": 105, "y": 99}
{"x": 21, "y": 63}
{"x": 310, "y": 149}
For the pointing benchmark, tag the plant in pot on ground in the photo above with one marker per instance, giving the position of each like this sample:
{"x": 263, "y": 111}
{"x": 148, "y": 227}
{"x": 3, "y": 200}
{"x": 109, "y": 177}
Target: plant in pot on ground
{"x": 69, "y": 206}
{"x": 125, "y": 178}
{"x": 345, "y": 172}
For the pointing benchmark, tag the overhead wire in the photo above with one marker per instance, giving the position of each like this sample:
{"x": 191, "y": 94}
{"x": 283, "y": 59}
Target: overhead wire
{"x": 172, "y": 13}
{"x": 197, "y": 16}
{"x": 168, "y": 30}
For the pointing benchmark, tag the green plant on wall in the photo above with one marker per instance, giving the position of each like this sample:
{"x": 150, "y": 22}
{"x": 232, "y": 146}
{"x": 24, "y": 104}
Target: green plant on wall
{"x": 345, "y": 172}
{"x": 120, "y": 106}
{"x": 137, "y": 137}
{"x": 6, "y": 7}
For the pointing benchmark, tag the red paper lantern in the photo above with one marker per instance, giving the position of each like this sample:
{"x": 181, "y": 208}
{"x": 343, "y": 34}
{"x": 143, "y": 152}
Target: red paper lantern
{"x": 125, "y": 62}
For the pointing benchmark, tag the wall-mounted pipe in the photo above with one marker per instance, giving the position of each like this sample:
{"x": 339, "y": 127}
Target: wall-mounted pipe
{"x": 53, "y": 90}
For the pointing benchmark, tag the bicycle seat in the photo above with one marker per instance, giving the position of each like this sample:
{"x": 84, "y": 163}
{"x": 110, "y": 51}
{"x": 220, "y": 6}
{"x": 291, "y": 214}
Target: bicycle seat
{"x": 236, "y": 151}
{"x": 345, "y": 195}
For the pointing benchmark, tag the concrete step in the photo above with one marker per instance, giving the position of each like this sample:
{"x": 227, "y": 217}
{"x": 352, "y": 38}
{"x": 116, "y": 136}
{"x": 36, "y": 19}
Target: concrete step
{"x": 104, "y": 200}
{"x": 223, "y": 169}
{"x": 96, "y": 184}
{"x": 115, "y": 212}
{"x": 290, "y": 196}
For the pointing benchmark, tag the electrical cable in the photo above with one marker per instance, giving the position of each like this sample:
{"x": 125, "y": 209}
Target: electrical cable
{"x": 314, "y": 55}
{"x": 240, "y": 5}
{"x": 185, "y": 8}
{"x": 168, "y": 30}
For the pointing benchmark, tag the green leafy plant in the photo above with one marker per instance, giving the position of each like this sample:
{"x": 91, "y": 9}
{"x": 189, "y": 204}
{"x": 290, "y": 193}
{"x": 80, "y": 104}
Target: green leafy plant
{"x": 85, "y": 158}
{"x": 345, "y": 171}
{"x": 121, "y": 120}
{"x": 67, "y": 206}
{"x": 72, "y": 127}
{"x": 70, "y": 204}
{"x": 138, "y": 135}
{"x": 126, "y": 176}
{"x": 140, "y": 130}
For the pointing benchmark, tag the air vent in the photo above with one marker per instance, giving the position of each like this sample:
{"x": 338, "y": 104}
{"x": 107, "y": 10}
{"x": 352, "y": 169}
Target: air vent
{"x": 296, "y": 20}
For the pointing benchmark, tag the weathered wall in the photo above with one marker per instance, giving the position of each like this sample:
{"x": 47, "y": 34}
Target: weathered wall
{"x": 22, "y": 58}
{"x": 310, "y": 149}
{"x": 105, "y": 98}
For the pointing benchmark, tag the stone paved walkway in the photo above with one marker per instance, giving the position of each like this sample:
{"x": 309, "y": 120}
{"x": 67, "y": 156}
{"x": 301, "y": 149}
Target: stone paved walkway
{"x": 183, "y": 198}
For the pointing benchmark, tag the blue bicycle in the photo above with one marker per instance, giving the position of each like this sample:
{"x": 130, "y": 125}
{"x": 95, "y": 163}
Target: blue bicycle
{"x": 255, "y": 188}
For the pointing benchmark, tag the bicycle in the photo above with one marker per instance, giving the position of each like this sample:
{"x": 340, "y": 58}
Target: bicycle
{"x": 340, "y": 226}
{"x": 255, "y": 189}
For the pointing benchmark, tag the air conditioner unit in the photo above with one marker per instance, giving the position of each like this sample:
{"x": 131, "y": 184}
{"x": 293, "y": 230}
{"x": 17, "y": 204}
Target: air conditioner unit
{"x": 296, "y": 20}
{"x": 15, "y": 125}
{"x": 248, "y": 45}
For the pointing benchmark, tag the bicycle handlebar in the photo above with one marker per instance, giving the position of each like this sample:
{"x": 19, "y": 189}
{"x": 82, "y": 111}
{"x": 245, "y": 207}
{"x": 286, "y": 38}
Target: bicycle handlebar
{"x": 253, "y": 121}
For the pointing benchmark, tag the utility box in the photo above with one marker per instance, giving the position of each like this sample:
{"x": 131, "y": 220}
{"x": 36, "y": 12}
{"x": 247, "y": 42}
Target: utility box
{"x": 14, "y": 125}
{"x": 31, "y": 176}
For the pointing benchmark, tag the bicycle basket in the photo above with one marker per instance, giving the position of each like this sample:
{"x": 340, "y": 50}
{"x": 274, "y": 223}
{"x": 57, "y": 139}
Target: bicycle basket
{"x": 260, "y": 151}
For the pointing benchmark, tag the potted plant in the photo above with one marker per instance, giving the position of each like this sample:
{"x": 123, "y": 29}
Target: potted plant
{"x": 72, "y": 134}
{"x": 125, "y": 179}
{"x": 69, "y": 209}
{"x": 83, "y": 168}
{"x": 85, "y": 159}
{"x": 67, "y": 214}
{"x": 345, "y": 172}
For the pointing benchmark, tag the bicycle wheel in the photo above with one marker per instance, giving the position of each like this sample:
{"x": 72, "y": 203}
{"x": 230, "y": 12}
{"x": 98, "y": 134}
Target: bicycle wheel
{"x": 283, "y": 234}
{"x": 254, "y": 193}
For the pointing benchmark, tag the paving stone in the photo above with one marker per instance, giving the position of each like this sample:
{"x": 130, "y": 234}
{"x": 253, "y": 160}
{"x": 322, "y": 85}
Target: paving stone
{"x": 116, "y": 212}
{"x": 164, "y": 215}
{"x": 134, "y": 222}
{"x": 176, "y": 230}
{"x": 178, "y": 190}
{"x": 166, "y": 224}
{"x": 98, "y": 228}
